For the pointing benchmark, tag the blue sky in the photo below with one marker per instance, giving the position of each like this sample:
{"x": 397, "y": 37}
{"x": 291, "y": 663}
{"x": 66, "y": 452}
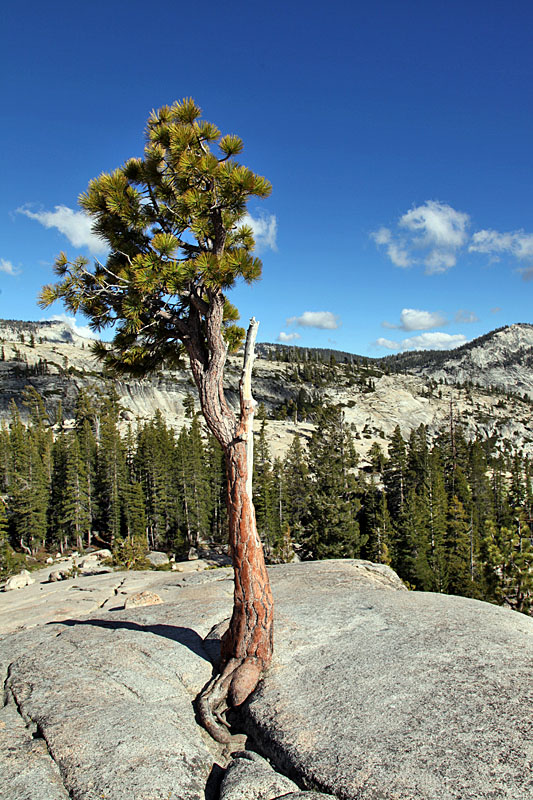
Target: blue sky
{"x": 397, "y": 137}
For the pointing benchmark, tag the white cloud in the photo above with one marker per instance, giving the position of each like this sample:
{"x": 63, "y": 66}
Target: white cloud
{"x": 396, "y": 250}
{"x": 82, "y": 330}
{"x": 517, "y": 243}
{"x": 75, "y": 225}
{"x": 388, "y": 343}
{"x": 325, "y": 320}
{"x": 413, "y": 319}
{"x": 438, "y": 224}
{"x": 438, "y": 261}
{"x": 464, "y": 316}
{"x": 435, "y": 230}
{"x": 288, "y": 337}
{"x": 425, "y": 341}
{"x": 495, "y": 310}
{"x": 382, "y": 236}
{"x": 265, "y": 229}
{"x": 8, "y": 268}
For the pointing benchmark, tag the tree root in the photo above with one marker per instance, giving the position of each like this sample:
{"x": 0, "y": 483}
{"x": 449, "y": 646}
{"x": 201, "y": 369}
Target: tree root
{"x": 228, "y": 689}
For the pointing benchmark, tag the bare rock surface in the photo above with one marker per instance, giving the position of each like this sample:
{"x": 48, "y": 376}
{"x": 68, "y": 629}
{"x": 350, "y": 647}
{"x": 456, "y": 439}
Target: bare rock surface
{"x": 251, "y": 776}
{"x": 142, "y": 599}
{"x": 374, "y": 692}
{"x": 396, "y": 697}
{"x": 19, "y": 581}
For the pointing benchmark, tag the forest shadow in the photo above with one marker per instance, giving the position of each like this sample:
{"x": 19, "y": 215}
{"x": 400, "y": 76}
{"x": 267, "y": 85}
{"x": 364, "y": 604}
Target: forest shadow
{"x": 184, "y": 636}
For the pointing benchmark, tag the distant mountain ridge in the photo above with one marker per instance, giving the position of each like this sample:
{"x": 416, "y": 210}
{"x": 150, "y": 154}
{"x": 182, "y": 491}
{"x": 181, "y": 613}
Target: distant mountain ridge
{"x": 503, "y": 358}
{"x": 487, "y": 383}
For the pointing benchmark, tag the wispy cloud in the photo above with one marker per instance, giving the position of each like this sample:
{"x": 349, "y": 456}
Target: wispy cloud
{"x": 80, "y": 330}
{"x": 396, "y": 249}
{"x": 434, "y": 234}
{"x": 413, "y": 319}
{"x": 325, "y": 320}
{"x": 517, "y": 243}
{"x": 425, "y": 341}
{"x": 466, "y": 316}
{"x": 265, "y": 229}
{"x": 75, "y": 225}
{"x": 8, "y": 267}
{"x": 437, "y": 225}
{"x": 429, "y": 234}
{"x": 288, "y": 337}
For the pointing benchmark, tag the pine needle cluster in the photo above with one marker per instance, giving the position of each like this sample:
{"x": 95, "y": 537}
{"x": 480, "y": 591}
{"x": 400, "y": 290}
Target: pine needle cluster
{"x": 173, "y": 222}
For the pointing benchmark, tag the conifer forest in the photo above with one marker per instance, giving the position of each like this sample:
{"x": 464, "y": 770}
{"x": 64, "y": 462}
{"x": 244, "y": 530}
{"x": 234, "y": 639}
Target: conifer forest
{"x": 448, "y": 514}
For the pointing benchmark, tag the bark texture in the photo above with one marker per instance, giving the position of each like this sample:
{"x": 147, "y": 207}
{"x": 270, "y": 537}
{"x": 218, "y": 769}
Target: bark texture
{"x": 247, "y": 645}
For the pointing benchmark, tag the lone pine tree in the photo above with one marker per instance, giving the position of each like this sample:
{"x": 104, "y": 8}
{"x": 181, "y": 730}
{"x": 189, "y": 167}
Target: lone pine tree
{"x": 173, "y": 222}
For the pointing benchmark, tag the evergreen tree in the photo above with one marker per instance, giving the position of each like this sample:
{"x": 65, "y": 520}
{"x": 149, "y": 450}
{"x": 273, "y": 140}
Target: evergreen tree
{"x": 110, "y": 472}
{"x": 333, "y": 530}
{"x": 173, "y": 221}
{"x": 264, "y": 490}
{"x": 437, "y": 509}
{"x": 194, "y": 484}
{"x": 28, "y": 495}
{"x": 76, "y": 505}
{"x": 296, "y": 490}
{"x": 395, "y": 474}
{"x": 155, "y": 469}
{"x": 376, "y": 525}
{"x": 6, "y": 552}
{"x": 457, "y": 546}
{"x": 216, "y": 473}
{"x": 413, "y": 551}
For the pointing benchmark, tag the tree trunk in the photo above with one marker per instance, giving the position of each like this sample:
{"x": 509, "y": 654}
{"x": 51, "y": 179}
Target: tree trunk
{"x": 249, "y": 638}
{"x": 246, "y": 648}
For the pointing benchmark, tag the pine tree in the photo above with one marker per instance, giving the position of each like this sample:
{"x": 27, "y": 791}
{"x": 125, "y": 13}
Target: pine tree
{"x": 376, "y": 525}
{"x": 218, "y": 516}
{"x": 333, "y": 530}
{"x": 76, "y": 506}
{"x": 194, "y": 484}
{"x": 296, "y": 490}
{"x": 28, "y": 489}
{"x": 437, "y": 509}
{"x": 395, "y": 474}
{"x": 263, "y": 486}
{"x": 173, "y": 221}
{"x": 413, "y": 550}
{"x": 110, "y": 472}
{"x": 457, "y": 546}
{"x": 6, "y": 552}
{"x": 88, "y": 456}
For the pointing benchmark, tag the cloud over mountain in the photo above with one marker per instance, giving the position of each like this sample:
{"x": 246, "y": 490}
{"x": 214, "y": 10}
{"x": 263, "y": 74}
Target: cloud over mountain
{"x": 424, "y": 341}
{"x": 326, "y": 320}
{"x": 412, "y": 319}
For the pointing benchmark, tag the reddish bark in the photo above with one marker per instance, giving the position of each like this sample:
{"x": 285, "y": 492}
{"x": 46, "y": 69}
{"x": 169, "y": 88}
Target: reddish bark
{"x": 247, "y": 645}
{"x": 249, "y": 638}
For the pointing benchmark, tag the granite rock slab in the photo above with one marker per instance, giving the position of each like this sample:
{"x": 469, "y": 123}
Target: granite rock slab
{"x": 376, "y": 695}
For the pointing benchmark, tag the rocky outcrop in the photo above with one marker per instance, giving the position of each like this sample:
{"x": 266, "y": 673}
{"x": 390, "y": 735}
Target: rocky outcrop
{"x": 19, "y": 581}
{"x": 374, "y": 692}
{"x": 58, "y": 363}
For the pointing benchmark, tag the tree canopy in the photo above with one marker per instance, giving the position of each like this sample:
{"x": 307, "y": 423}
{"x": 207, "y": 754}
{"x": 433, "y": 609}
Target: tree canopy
{"x": 173, "y": 221}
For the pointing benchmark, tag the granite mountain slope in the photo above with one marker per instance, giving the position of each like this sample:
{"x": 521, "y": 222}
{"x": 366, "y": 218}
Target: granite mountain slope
{"x": 487, "y": 383}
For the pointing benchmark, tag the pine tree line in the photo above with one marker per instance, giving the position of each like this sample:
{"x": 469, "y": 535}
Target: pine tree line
{"x": 69, "y": 488}
{"x": 448, "y": 514}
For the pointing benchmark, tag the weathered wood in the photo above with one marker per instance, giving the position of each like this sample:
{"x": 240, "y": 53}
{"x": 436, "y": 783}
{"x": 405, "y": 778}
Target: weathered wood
{"x": 247, "y": 645}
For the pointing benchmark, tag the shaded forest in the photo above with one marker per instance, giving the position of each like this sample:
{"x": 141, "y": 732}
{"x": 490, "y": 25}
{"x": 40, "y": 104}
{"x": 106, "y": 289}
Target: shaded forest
{"x": 448, "y": 514}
